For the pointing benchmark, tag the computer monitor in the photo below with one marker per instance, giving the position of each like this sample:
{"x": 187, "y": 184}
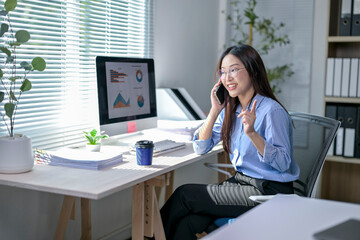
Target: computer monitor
{"x": 126, "y": 93}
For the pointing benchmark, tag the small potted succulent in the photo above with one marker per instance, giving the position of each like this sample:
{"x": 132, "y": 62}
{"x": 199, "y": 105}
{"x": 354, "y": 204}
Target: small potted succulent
{"x": 94, "y": 140}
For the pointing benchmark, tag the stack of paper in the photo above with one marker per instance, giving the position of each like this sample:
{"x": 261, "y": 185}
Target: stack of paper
{"x": 186, "y": 128}
{"x": 79, "y": 158}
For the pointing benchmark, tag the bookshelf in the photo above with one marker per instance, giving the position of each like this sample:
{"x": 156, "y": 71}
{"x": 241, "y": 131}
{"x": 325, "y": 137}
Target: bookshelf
{"x": 343, "y": 39}
{"x": 341, "y": 175}
{"x": 351, "y": 100}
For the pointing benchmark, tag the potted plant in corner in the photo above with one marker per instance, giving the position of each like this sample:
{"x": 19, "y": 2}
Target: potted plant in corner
{"x": 94, "y": 138}
{"x": 16, "y": 154}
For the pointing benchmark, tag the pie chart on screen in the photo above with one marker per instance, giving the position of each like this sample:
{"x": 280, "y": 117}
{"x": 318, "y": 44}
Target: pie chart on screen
{"x": 140, "y": 101}
{"x": 139, "y": 76}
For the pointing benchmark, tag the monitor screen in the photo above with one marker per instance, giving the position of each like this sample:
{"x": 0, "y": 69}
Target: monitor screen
{"x": 126, "y": 92}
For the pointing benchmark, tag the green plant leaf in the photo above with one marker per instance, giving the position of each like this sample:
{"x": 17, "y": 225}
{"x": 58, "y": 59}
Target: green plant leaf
{"x": 90, "y": 139}
{"x": 2, "y": 94}
{"x": 1, "y": 73}
{"x": 26, "y": 86}
{"x": 26, "y": 65}
{"x": 39, "y": 64}
{"x": 10, "y": 5}
{"x": 93, "y": 132}
{"x": 22, "y": 36}
{"x": 4, "y": 29}
{"x": 6, "y": 51}
{"x": 9, "y": 109}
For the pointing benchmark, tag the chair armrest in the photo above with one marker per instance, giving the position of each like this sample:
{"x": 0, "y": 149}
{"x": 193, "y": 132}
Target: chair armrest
{"x": 261, "y": 198}
{"x": 216, "y": 167}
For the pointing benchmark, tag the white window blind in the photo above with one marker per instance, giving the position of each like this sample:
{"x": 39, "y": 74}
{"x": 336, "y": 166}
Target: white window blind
{"x": 69, "y": 35}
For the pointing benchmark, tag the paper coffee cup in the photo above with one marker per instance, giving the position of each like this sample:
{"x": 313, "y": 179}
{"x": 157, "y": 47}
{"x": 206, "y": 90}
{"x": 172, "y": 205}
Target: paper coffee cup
{"x": 144, "y": 152}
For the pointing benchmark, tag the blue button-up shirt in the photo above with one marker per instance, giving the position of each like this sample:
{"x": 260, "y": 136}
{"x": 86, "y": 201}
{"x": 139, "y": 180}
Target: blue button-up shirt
{"x": 274, "y": 125}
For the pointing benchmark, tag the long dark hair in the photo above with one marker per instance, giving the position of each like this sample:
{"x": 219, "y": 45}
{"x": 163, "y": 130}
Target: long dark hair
{"x": 257, "y": 73}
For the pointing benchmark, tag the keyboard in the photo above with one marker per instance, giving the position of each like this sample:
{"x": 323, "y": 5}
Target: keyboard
{"x": 164, "y": 146}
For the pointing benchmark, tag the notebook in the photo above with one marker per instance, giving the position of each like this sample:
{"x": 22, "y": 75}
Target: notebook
{"x": 348, "y": 230}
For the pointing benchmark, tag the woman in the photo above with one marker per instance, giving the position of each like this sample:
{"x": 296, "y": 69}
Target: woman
{"x": 256, "y": 131}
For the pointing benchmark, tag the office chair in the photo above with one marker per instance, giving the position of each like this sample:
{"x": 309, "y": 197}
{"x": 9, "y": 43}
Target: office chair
{"x": 312, "y": 138}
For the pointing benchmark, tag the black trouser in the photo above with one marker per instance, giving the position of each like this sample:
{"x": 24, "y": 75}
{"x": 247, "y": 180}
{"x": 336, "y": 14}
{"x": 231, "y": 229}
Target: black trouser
{"x": 193, "y": 207}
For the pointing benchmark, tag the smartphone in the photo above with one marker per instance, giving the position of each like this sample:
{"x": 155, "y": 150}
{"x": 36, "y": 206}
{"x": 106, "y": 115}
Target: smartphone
{"x": 219, "y": 93}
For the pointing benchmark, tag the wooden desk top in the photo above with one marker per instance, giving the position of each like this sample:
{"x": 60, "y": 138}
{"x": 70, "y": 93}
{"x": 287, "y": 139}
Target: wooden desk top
{"x": 96, "y": 184}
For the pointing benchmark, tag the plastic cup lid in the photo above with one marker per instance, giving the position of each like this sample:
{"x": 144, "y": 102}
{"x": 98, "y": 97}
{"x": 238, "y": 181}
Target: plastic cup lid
{"x": 144, "y": 144}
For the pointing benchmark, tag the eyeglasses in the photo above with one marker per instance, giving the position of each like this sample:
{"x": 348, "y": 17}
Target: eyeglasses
{"x": 232, "y": 72}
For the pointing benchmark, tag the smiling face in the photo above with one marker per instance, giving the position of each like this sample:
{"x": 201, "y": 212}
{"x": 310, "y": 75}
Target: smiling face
{"x": 236, "y": 79}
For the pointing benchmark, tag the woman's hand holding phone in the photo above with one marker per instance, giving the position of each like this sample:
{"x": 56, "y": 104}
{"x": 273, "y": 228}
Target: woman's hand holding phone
{"x": 205, "y": 131}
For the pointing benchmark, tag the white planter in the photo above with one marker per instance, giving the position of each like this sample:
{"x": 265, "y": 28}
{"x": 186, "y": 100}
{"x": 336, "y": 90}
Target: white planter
{"x": 16, "y": 154}
{"x": 93, "y": 148}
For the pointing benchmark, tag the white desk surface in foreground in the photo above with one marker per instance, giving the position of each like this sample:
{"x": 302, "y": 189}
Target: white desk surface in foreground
{"x": 287, "y": 217}
{"x": 96, "y": 184}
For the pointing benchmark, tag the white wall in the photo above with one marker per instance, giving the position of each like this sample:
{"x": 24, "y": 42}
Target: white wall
{"x": 319, "y": 56}
{"x": 186, "y": 46}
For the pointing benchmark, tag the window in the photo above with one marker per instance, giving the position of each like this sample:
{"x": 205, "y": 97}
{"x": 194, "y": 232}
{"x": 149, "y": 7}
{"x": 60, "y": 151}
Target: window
{"x": 69, "y": 35}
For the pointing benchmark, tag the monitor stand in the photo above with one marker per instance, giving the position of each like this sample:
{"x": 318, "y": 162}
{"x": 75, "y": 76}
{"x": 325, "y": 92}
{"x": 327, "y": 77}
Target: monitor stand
{"x": 113, "y": 129}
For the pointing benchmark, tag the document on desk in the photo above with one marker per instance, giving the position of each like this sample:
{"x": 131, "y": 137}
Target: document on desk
{"x": 185, "y": 128}
{"x": 80, "y": 158}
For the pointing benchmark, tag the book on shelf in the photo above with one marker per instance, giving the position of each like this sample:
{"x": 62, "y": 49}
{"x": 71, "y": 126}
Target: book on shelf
{"x": 80, "y": 158}
{"x": 345, "y": 78}
{"x": 345, "y": 18}
{"x": 342, "y": 77}
{"x": 347, "y": 141}
{"x": 353, "y": 77}
{"x": 337, "y": 77}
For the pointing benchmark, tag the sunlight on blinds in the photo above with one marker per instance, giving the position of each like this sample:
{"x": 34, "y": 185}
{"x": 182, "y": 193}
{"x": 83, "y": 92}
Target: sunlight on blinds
{"x": 69, "y": 35}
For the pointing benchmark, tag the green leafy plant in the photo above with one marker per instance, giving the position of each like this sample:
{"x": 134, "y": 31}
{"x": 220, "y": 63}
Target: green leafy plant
{"x": 93, "y": 136}
{"x": 13, "y": 77}
{"x": 268, "y": 33}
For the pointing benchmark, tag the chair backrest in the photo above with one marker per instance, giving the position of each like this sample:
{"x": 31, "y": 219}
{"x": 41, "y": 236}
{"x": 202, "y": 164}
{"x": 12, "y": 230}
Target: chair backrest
{"x": 313, "y": 136}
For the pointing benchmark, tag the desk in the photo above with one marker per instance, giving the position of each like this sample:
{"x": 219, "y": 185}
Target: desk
{"x": 93, "y": 185}
{"x": 287, "y": 217}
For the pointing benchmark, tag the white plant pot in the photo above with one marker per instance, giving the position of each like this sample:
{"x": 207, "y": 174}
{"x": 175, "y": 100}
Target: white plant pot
{"x": 16, "y": 154}
{"x": 93, "y": 148}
